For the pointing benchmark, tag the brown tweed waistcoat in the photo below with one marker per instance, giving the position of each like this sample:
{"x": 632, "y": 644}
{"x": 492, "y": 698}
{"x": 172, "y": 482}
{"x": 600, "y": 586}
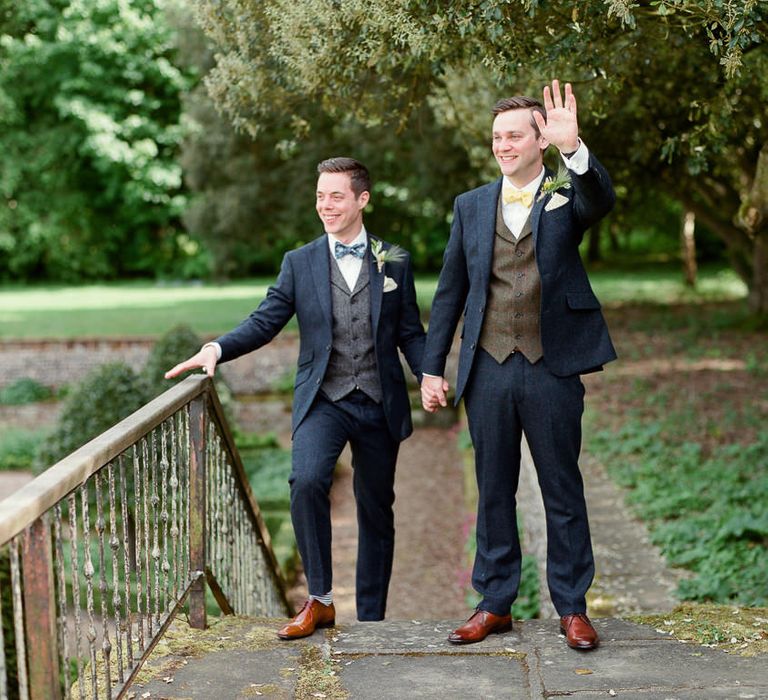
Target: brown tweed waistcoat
{"x": 512, "y": 313}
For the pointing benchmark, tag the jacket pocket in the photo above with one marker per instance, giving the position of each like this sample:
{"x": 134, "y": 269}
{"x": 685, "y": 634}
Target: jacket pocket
{"x": 582, "y": 301}
{"x": 306, "y": 357}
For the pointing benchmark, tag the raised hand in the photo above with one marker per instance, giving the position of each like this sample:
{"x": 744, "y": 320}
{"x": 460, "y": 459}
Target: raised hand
{"x": 206, "y": 359}
{"x": 561, "y": 128}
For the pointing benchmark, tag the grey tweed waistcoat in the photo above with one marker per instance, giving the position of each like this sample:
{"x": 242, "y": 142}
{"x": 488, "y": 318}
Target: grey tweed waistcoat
{"x": 512, "y": 320}
{"x": 352, "y": 364}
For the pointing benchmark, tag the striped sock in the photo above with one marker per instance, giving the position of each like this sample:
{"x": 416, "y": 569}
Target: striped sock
{"x": 326, "y": 599}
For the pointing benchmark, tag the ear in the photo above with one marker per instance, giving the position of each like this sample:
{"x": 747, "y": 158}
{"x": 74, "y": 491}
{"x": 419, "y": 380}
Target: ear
{"x": 543, "y": 143}
{"x": 363, "y": 199}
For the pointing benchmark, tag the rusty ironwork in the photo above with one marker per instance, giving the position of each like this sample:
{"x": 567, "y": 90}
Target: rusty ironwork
{"x": 117, "y": 537}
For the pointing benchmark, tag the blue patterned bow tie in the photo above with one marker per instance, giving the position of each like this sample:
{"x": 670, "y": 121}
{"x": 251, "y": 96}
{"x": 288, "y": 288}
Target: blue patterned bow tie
{"x": 358, "y": 250}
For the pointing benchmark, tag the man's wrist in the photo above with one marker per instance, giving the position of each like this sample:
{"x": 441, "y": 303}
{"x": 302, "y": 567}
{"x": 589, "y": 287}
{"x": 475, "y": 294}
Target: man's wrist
{"x": 570, "y": 152}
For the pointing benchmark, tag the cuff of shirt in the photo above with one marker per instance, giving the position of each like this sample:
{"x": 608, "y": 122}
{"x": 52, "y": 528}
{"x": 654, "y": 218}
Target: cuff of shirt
{"x": 434, "y": 376}
{"x": 216, "y": 346}
{"x": 579, "y": 161}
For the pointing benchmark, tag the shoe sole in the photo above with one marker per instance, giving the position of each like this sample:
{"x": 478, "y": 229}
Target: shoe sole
{"x": 322, "y": 625}
{"x": 498, "y": 630}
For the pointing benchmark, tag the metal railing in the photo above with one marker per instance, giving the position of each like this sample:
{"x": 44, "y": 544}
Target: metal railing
{"x": 107, "y": 545}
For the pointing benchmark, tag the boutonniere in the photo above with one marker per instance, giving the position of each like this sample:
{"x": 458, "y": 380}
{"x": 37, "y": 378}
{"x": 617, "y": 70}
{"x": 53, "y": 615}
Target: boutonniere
{"x": 561, "y": 181}
{"x": 393, "y": 254}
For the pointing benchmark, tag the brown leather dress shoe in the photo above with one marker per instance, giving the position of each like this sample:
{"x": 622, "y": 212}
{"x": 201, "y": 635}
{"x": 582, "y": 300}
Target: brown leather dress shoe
{"x": 578, "y": 631}
{"x": 479, "y": 626}
{"x": 311, "y": 616}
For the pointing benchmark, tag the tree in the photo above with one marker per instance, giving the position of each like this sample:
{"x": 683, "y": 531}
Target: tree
{"x": 253, "y": 190}
{"x": 89, "y": 132}
{"x": 673, "y": 89}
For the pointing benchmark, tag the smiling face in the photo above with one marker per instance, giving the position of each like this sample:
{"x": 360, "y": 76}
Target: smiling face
{"x": 337, "y": 206}
{"x": 517, "y": 146}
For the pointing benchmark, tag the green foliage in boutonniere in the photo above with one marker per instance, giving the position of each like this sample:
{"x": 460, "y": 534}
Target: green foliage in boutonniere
{"x": 561, "y": 181}
{"x": 393, "y": 254}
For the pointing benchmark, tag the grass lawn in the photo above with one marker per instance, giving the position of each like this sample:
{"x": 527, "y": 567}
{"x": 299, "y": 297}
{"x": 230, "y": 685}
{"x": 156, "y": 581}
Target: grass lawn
{"x": 146, "y": 309}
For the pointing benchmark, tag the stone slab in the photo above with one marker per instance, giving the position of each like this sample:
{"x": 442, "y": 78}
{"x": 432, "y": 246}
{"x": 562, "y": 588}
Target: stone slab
{"x": 229, "y": 674}
{"x": 395, "y": 677}
{"x": 646, "y": 665}
{"x": 409, "y": 637}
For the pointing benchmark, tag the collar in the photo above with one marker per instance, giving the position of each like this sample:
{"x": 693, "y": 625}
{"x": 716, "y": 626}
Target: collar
{"x": 361, "y": 237}
{"x": 532, "y": 186}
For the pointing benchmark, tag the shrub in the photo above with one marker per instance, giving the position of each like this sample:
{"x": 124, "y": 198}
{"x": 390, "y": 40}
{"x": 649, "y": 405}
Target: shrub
{"x": 24, "y": 390}
{"x": 18, "y": 448}
{"x": 106, "y": 396}
{"x": 176, "y": 345}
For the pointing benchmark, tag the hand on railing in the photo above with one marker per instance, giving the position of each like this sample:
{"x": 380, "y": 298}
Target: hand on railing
{"x": 206, "y": 358}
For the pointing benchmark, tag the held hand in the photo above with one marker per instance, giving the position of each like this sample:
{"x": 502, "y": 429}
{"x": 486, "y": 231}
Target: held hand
{"x": 206, "y": 359}
{"x": 433, "y": 390}
{"x": 561, "y": 128}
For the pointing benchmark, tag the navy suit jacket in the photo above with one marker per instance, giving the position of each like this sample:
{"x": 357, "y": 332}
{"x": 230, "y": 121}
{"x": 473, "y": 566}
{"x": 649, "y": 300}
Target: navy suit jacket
{"x": 303, "y": 287}
{"x": 574, "y": 335}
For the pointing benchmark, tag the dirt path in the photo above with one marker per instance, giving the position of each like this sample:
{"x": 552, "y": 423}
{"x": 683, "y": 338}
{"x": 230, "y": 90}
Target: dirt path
{"x": 429, "y": 543}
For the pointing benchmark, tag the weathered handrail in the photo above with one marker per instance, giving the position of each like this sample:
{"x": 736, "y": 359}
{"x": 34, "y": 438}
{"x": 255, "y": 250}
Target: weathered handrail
{"x": 109, "y": 543}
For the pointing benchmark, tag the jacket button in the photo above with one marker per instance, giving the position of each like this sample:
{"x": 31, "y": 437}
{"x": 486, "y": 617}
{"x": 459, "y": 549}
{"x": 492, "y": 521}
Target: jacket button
{"x": 327, "y": 347}
{"x": 482, "y": 309}
{"x": 317, "y": 381}
{"x": 472, "y": 347}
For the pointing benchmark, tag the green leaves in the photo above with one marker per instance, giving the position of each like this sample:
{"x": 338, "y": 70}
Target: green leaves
{"x": 94, "y": 105}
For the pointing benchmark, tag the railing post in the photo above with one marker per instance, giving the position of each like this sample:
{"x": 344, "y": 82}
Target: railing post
{"x": 197, "y": 515}
{"x": 40, "y": 610}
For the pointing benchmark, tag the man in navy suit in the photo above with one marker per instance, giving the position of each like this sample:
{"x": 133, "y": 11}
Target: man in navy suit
{"x": 355, "y": 302}
{"x": 532, "y": 325}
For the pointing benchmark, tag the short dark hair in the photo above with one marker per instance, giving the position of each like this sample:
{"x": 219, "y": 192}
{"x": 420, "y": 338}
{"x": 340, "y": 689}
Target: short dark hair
{"x": 520, "y": 102}
{"x": 358, "y": 173}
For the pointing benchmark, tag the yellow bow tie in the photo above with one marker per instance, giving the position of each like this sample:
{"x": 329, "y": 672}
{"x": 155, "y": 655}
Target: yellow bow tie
{"x": 512, "y": 196}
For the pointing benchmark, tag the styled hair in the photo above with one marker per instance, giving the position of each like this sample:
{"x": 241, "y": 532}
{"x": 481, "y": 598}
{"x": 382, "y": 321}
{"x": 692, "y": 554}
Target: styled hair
{"x": 521, "y": 102}
{"x": 358, "y": 173}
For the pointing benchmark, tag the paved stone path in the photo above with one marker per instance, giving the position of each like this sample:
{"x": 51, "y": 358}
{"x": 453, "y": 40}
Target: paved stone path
{"x": 412, "y": 659}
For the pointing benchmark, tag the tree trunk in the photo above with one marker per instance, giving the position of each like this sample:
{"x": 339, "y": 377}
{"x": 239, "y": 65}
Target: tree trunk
{"x": 758, "y": 293}
{"x": 753, "y": 218}
{"x": 688, "y": 247}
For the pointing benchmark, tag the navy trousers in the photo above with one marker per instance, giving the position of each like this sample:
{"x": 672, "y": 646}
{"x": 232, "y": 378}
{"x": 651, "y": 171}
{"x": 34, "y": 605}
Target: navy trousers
{"x": 502, "y": 402}
{"x": 317, "y": 443}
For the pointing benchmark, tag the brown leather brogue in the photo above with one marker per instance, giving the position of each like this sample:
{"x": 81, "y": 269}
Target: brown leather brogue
{"x": 312, "y": 615}
{"x": 479, "y": 626}
{"x": 578, "y": 631}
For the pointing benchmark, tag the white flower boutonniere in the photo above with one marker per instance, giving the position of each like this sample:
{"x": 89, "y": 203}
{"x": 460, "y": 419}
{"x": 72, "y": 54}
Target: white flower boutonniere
{"x": 393, "y": 254}
{"x": 561, "y": 181}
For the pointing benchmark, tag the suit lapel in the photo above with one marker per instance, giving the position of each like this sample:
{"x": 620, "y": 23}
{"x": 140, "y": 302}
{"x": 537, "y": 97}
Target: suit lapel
{"x": 487, "y": 202}
{"x": 321, "y": 273}
{"x": 377, "y": 288}
{"x": 539, "y": 203}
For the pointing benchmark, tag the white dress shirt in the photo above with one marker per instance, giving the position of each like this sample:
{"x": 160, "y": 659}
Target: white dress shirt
{"x": 349, "y": 265}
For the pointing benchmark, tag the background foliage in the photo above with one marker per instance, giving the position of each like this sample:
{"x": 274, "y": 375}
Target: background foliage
{"x": 90, "y": 125}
